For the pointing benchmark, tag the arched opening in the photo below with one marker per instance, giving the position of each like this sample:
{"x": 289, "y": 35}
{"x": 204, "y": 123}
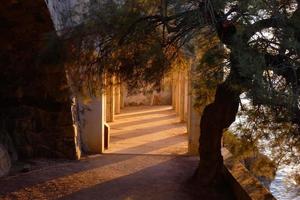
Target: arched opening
{"x": 142, "y": 121}
{"x": 146, "y": 123}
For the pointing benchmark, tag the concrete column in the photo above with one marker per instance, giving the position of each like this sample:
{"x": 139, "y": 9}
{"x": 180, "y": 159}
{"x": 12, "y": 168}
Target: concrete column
{"x": 110, "y": 102}
{"x": 177, "y": 93}
{"x": 122, "y": 96}
{"x": 105, "y": 105}
{"x": 117, "y": 99}
{"x": 186, "y": 95}
{"x": 181, "y": 96}
{"x": 93, "y": 125}
{"x": 173, "y": 91}
{"x": 194, "y": 117}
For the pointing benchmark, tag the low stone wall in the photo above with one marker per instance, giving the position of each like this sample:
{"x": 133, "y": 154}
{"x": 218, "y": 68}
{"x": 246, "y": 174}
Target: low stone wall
{"x": 243, "y": 183}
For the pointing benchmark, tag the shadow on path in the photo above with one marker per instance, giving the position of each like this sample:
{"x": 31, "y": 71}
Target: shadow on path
{"x": 148, "y": 130}
{"x": 134, "y": 170}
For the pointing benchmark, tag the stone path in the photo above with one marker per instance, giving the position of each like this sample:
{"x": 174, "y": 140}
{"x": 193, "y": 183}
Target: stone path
{"x": 142, "y": 164}
{"x": 148, "y": 130}
{"x": 112, "y": 177}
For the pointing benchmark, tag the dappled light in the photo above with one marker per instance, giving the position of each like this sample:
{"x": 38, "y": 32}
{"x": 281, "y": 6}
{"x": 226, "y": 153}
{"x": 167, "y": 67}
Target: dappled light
{"x": 140, "y": 99}
{"x": 148, "y": 130}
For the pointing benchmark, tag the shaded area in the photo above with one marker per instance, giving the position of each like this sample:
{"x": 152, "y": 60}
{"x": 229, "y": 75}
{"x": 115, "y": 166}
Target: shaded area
{"x": 148, "y": 130}
{"x": 35, "y": 118}
{"x": 114, "y": 177}
{"x": 124, "y": 176}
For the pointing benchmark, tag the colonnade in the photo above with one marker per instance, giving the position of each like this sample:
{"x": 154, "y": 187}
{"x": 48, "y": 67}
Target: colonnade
{"x": 183, "y": 101}
{"x": 103, "y": 109}
{"x": 114, "y": 99}
{"x": 95, "y": 113}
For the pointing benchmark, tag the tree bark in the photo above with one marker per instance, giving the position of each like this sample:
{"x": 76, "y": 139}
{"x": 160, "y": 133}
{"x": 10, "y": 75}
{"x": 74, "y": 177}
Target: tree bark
{"x": 216, "y": 117}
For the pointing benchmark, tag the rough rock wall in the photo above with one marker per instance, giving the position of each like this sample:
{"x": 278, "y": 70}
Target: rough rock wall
{"x": 35, "y": 117}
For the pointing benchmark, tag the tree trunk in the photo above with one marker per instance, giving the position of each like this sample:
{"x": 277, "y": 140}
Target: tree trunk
{"x": 216, "y": 117}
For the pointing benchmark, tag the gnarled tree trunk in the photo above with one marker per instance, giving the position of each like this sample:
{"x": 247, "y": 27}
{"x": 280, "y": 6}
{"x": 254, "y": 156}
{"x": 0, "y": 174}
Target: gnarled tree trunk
{"x": 216, "y": 117}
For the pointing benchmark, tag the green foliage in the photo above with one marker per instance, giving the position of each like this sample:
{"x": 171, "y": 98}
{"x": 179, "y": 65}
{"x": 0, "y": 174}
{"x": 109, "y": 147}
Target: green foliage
{"x": 263, "y": 125}
{"x": 273, "y": 133}
{"x": 114, "y": 40}
{"x": 209, "y": 69}
{"x": 248, "y": 153}
{"x": 251, "y": 45}
{"x": 138, "y": 40}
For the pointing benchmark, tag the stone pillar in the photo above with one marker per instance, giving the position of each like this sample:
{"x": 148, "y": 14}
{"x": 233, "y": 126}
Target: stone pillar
{"x": 173, "y": 91}
{"x": 193, "y": 125}
{"x": 122, "y": 96}
{"x": 105, "y": 105}
{"x": 117, "y": 99}
{"x": 93, "y": 125}
{"x": 177, "y": 93}
{"x": 186, "y": 95}
{"x": 110, "y": 101}
{"x": 181, "y": 96}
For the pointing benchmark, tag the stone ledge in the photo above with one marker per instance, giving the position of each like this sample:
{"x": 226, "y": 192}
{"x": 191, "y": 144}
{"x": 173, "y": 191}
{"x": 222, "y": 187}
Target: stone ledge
{"x": 243, "y": 183}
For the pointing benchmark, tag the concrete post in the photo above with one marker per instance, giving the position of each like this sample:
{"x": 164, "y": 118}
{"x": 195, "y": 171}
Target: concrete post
{"x": 93, "y": 125}
{"x": 181, "y": 96}
{"x": 105, "y": 105}
{"x": 173, "y": 91}
{"x": 186, "y": 95}
{"x": 194, "y": 117}
{"x": 122, "y": 96}
{"x": 117, "y": 99}
{"x": 110, "y": 104}
{"x": 177, "y": 94}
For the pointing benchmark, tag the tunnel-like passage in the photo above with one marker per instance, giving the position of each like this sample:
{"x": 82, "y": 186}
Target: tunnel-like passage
{"x": 125, "y": 120}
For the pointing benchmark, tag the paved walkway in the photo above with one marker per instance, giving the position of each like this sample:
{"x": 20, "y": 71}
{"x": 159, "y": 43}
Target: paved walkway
{"x": 112, "y": 177}
{"x": 135, "y": 169}
{"x": 148, "y": 130}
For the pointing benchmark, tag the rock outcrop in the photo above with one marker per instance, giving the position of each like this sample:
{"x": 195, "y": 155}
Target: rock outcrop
{"x": 34, "y": 96}
{"x": 5, "y": 161}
